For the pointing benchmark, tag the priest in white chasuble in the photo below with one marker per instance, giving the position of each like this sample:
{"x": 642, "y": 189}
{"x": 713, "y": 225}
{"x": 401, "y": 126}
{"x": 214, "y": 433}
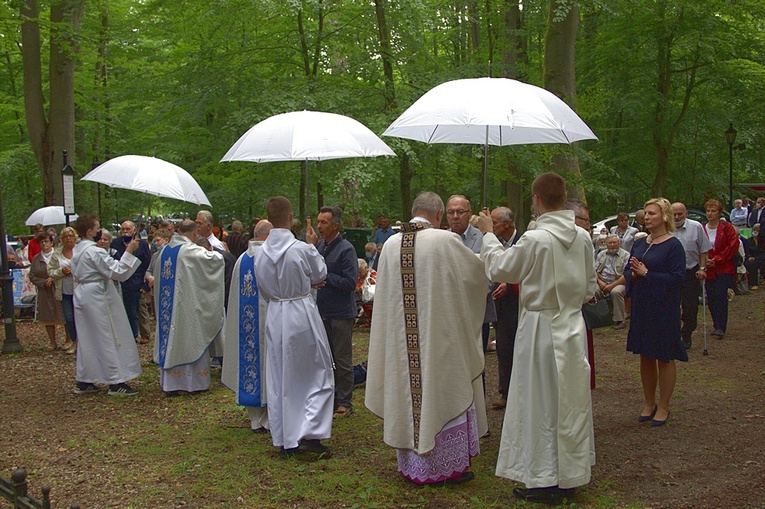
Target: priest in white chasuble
{"x": 547, "y": 435}
{"x": 425, "y": 349}
{"x": 190, "y": 284}
{"x": 244, "y": 335}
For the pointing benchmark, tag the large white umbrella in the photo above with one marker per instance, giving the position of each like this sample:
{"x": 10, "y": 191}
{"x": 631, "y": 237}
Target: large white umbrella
{"x": 47, "y": 216}
{"x": 149, "y": 175}
{"x": 306, "y": 136}
{"x": 490, "y": 111}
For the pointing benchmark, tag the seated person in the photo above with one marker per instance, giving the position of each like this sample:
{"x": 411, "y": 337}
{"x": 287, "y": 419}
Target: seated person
{"x": 609, "y": 268}
{"x": 755, "y": 256}
{"x": 365, "y": 292}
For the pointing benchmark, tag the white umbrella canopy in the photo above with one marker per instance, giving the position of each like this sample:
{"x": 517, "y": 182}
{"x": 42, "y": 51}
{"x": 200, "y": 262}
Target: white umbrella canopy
{"x": 47, "y": 216}
{"x": 306, "y": 136}
{"x": 149, "y": 175}
{"x": 490, "y": 111}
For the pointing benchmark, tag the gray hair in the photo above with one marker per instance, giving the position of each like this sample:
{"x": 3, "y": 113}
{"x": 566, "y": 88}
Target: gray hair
{"x": 206, "y": 216}
{"x": 202, "y": 241}
{"x": 505, "y": 214}
{"x": 427, "y": 202}
{"x": 105, "y": 234}
{"x": 236, "y": 225}
{"x": 337, "y": 216}
{"x": 578, "y": 206}
{"x": 613, "y": 236}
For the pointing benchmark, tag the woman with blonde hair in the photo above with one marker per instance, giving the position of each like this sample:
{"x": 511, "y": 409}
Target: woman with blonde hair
{"x": 61, "y": 271}
{"x": 654, "y": 277}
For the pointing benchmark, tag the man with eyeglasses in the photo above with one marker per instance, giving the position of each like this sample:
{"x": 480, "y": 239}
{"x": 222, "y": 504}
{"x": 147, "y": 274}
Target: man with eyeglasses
{"x": 458, "y": 214}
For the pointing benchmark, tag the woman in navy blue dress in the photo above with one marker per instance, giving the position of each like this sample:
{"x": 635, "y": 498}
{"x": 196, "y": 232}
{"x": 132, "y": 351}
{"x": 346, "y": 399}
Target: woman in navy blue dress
{"x": 654, "y": 277}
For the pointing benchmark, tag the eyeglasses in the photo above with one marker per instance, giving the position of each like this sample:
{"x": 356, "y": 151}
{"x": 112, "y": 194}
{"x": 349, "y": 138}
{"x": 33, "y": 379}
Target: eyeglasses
{"x": 585, "y": 219}
{"x": 458, "y": 212}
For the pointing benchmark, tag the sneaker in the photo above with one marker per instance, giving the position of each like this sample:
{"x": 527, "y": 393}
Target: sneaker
{"x": 619, "y": 325}
{"x": 72, "y": 349}
{"x": 84, "y": 388}
{"x": 718, "y": 332}
{"x": 314, "y": 446}
{"x": 121, "y": 390}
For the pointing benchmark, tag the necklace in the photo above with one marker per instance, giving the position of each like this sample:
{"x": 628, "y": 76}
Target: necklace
{"x": 653, "y": 239}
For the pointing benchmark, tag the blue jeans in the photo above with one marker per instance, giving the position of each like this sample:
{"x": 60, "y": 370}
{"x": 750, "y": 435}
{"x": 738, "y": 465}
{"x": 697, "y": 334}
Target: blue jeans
{"x": 131, "y": 300}
{"x": 717, "y": 293}
{"x": 67, "y": 307}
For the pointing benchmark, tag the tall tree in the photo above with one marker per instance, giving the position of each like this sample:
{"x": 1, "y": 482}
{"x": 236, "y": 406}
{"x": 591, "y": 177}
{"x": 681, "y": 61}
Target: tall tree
{"x": 51, "y": 135}
{"x": 560, "y": 78}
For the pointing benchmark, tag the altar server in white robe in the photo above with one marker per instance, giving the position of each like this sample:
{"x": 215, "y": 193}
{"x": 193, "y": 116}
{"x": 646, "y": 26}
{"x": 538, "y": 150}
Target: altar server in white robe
{"x": 190, "y": 315}
{"x": 298, "y": 363}
{"x": 106, "y": 352}
{"x": 244, "y": 337}
{"x": 425, "y": 348}
{"x": 547, "y": 436}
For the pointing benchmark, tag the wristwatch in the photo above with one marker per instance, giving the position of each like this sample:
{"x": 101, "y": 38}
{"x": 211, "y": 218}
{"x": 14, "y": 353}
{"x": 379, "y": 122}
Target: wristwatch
{"x": 703, "y": 268}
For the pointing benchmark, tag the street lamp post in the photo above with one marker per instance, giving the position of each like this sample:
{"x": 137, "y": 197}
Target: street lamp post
{"x": 730, "y": 138}
{"x": 11, "y": 343}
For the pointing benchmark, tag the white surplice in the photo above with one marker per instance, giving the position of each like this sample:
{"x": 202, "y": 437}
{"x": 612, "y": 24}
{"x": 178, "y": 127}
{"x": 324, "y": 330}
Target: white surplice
{"x": 232, "y": 341}
{"x": 450, "y": 299}
{"x": 547, "y": 435}
{"x": 106, "y": 350}
{"x": 197, "y": 315}
{"x": 299, "y": 376}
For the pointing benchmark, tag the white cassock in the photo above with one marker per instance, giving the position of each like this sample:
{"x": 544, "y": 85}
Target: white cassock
{"x": 547, "y": 435}
{"x": 299, "y": 377}
{"x": 190, "y": 288}
{"x": 106, "y": 351}
{"x": 244, "y": 339}
{"x": 425, "y": 371}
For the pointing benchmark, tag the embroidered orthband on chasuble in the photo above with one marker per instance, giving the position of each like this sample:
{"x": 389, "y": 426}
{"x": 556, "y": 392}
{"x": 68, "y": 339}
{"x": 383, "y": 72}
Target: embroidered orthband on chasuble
{"x": 411, "y": 325}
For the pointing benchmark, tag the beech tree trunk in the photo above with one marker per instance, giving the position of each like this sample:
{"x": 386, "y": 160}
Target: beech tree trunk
{"x": 50, "y": 136}
{"x": 560, "y": 79}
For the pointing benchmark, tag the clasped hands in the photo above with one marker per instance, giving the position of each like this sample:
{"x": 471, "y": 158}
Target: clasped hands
{"x": 483, "y": 222}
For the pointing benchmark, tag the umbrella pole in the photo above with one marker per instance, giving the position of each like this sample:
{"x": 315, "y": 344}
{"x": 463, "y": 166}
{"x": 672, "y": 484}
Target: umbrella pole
{"x": 307, "y": 190}
{"x": 484, "y": 201}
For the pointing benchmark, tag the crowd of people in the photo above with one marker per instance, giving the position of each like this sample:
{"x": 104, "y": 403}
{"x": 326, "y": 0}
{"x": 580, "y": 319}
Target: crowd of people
{"x": 277, "y": 307}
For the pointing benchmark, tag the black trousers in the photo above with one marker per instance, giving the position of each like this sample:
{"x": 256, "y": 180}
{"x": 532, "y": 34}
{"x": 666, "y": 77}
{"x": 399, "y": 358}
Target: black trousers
{"x": 507, "y": 324}
{"x": 689, "y": 298}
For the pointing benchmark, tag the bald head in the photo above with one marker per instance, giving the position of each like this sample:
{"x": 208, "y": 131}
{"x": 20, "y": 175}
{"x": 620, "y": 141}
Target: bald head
{"x": 188, "y": 229}
{"x": 127, "y": 229}
{"x": 262, "y": 229}
{"x": 679, "y": 212}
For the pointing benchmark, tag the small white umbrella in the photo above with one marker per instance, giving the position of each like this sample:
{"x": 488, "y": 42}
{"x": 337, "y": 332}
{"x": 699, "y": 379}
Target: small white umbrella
{"x": 490, "y": 111}
{"x": 306, "y": 136}
{"x": 149, "y": 175}
{"x": 47, "y": 216}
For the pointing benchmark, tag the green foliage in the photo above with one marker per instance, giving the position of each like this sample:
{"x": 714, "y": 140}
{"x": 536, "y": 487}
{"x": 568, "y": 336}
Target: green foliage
{"x": 184, "y": 79}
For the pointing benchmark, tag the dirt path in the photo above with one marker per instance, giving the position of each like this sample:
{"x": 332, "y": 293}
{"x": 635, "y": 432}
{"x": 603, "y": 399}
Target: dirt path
{"x": 711, "y": 454}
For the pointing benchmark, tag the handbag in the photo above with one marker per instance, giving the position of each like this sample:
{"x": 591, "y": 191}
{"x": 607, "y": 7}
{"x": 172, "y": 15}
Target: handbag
{"x": 597, "y": 314}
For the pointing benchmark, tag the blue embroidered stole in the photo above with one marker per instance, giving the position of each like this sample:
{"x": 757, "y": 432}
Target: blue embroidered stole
{"x": 249, "y": 336}
{"x": 166, "y": 297}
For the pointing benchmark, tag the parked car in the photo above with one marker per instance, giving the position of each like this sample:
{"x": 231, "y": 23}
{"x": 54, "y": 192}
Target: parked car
{"x": 695, "y": 213}
{"x": 358, "y": 237}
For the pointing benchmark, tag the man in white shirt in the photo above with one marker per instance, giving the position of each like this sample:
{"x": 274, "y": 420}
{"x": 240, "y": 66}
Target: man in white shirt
{"x": 205, "y": 225}
{"x": 691, "y": 235}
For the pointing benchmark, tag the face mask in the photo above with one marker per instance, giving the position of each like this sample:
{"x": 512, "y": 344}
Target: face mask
{"x": 679, "y": 224}
{"x": 126, "y": 238}
{"x": 97, "y": 236}
{"x": 370, "y": 256}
